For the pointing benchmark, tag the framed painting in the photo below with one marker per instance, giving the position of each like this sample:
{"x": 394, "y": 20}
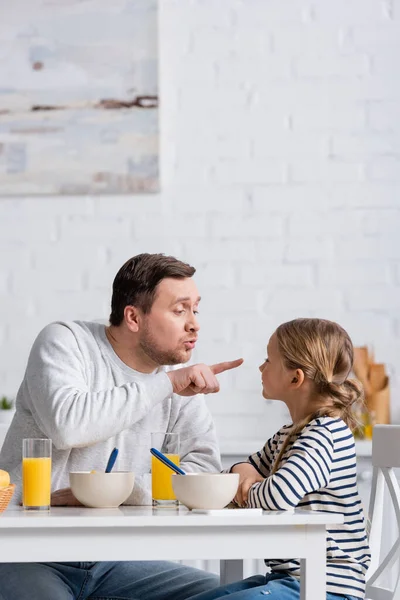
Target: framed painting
{"x": 78, "y": 97}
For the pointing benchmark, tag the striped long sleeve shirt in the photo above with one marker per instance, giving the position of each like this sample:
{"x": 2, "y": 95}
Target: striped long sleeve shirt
{"x": 318, "y": 472}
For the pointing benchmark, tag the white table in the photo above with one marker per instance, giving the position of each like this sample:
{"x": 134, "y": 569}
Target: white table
{"x": 142, "y": 533}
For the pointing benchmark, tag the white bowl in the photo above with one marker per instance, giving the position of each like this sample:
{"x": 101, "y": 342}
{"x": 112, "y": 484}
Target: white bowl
{"x": 205, "y": 490}
{"x": 101, "y": 490}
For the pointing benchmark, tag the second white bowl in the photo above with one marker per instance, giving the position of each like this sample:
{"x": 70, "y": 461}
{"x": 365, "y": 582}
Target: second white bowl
{"x": 205, "y": 490}
{"x": 102, "y": 490}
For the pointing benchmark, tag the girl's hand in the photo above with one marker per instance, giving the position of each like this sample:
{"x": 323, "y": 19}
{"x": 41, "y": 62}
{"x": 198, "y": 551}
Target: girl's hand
{"x": 248, "y": 477}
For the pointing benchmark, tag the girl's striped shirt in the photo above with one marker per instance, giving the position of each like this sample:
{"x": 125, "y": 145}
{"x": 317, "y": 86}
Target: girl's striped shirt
{"x": 318, "y": 472}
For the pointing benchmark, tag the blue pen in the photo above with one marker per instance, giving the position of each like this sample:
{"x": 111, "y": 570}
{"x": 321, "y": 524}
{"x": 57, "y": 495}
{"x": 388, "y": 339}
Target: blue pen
{"x": 165, "y": 460}
{"x": 111, "y": 460}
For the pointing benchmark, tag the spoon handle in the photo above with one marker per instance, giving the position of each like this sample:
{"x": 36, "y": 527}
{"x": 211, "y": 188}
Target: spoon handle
{"x": 111, "y": 460}
{"x": 165, "y": 460}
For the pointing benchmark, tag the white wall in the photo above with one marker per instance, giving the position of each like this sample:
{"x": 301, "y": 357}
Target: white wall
{"x": 280, "y": 155}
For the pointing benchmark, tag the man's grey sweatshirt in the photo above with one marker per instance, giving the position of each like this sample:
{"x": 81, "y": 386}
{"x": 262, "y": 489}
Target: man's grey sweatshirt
{"x": 77, "y": 392}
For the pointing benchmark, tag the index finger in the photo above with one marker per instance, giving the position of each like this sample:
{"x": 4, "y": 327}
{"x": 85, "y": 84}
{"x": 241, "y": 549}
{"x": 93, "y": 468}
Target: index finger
{"x": 225, "y": 366}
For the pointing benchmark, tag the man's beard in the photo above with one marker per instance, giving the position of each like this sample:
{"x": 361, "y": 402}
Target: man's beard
{"x": 161, "y": 357}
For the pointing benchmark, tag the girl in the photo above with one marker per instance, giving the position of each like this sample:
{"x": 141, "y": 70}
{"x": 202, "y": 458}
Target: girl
{"x": 310, "y": 463}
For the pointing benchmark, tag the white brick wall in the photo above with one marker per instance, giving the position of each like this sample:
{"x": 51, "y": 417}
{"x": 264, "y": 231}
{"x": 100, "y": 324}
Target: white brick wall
{"x": 280, "y": 153}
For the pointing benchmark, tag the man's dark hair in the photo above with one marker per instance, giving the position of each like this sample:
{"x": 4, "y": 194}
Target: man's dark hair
{"x": 136, "y": 282}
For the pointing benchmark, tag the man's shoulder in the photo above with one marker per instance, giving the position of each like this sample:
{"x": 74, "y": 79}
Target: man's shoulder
{"x": 63, "y": 331}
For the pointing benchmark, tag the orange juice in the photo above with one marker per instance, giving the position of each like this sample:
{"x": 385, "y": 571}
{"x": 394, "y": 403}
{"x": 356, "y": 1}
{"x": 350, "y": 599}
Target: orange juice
{"x": 161, "y": 478}
{"x": 36, "y": 481}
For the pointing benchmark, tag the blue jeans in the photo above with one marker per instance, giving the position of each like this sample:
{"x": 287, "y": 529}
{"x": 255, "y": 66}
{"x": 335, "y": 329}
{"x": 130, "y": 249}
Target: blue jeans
{"x": 274, "y": 586}
{"x": 159, "y": 580}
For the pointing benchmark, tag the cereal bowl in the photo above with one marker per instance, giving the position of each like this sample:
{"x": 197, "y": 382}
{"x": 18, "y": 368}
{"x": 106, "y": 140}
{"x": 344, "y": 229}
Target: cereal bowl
{"x": 205, "y": 490}
{"x": 97, "y": 489}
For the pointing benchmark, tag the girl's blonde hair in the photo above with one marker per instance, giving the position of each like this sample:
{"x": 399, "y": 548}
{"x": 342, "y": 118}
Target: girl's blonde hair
{"x": 324, "y": 352}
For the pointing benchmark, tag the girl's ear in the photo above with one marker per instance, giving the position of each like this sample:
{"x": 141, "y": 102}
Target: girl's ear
{"x": 297, "y": 379}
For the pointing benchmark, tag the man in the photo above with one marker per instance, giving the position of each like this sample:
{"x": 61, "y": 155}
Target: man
{"x": 91, "y": 388}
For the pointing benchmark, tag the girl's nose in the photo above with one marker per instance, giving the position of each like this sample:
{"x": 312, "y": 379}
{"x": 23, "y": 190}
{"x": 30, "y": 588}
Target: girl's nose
{"x": 261, "y": 367}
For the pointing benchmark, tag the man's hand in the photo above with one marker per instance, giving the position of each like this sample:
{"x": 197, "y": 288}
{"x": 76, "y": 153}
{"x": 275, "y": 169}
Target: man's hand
{"x": 199, "y": 379}
{"x": 64, "y": 497}
{"x": 248, "y": 477}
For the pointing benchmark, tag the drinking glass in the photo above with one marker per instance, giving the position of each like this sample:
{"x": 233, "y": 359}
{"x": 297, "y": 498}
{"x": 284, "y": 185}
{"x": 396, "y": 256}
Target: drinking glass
{"x": 36, "y": 474}
{"x": 161, "y": 476}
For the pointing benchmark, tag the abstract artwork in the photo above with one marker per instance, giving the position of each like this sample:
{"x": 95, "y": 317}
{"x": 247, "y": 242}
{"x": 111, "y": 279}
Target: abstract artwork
{"x": 78, "y": 97}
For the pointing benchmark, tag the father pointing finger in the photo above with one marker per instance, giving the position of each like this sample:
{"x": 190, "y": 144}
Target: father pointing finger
{"x": 90, "y": 388}
{"x": 199, "y": 378}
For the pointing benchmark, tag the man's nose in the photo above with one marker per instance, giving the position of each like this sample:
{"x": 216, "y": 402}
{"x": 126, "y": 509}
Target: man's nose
{"x": 261, "y": 367}
{"x": 193, "y": 324}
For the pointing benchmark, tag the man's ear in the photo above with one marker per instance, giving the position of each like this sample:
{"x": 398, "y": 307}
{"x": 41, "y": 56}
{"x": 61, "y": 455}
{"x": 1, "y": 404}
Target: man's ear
{"x": 132, "y": 318}
{"x": 297, "y": 378}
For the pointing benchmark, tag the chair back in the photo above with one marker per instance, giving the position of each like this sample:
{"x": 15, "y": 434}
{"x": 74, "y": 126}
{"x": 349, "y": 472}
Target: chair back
{"x": 385, "y": 457}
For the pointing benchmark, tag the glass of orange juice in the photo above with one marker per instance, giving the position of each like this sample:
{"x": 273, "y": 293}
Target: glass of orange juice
{"x": 36, "y": 474}
{"x": 161, "y": 481}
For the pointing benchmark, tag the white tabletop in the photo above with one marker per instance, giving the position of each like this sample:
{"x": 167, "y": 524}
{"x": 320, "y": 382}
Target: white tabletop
{"x": 146, "y": 516}
{"x": 144, "y": 533}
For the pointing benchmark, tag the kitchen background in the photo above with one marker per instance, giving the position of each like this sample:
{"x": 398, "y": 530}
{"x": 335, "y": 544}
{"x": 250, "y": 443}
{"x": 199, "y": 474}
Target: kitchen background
{"x": 280, "y": 180}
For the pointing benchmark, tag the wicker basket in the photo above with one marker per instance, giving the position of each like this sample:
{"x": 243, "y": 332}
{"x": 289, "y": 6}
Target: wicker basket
{"x": 5, "y": 496}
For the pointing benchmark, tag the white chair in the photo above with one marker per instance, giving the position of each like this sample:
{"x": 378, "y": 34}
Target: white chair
{"x": 385, "y": 458}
